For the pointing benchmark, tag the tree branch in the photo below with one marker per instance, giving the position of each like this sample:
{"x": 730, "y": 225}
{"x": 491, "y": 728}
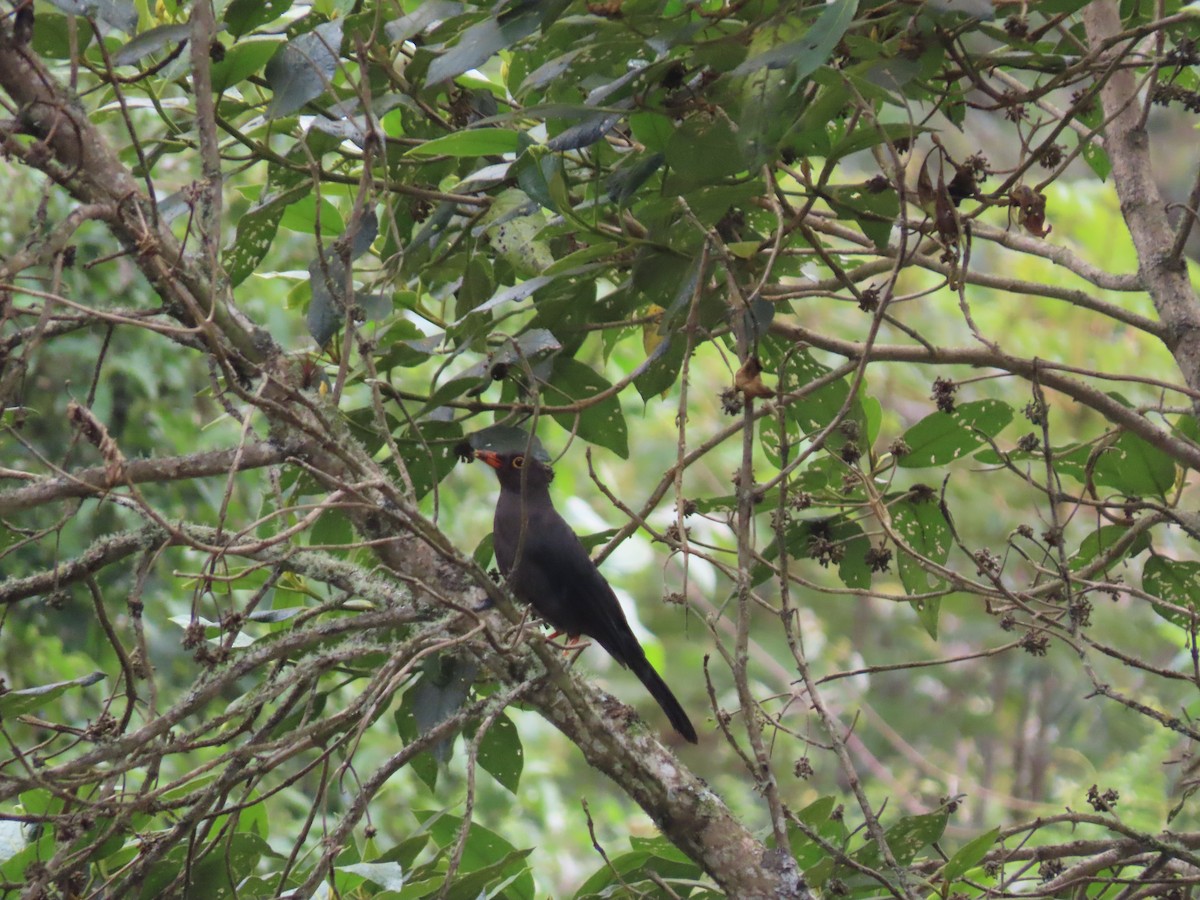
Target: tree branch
{"x": 1163, "y": 275}
{"x": 1184, "y": 452}
{"x": 95, "y": 481}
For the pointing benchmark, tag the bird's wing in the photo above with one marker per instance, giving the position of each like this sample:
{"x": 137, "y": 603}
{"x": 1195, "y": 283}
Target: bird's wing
{"x": 589, "y": 606}
{"x": 584, "y": 602}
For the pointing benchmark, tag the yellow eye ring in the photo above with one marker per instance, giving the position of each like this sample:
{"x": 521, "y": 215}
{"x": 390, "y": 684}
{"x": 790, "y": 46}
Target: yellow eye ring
{"x": 518, "y": 462}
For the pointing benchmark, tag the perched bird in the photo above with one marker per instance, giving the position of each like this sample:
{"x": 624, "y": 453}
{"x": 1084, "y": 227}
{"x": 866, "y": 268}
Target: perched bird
{"x": 555, "y": 575}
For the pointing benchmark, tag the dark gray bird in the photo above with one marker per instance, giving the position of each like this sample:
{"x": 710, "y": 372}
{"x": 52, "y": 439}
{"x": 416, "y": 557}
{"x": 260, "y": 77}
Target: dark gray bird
{"x": 556, "y": 576}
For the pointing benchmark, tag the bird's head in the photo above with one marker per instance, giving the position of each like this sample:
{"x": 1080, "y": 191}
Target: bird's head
{"x": 516, "y": 467}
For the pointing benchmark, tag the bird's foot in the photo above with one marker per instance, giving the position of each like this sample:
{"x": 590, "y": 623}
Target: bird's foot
{"x": 572, "y": 643}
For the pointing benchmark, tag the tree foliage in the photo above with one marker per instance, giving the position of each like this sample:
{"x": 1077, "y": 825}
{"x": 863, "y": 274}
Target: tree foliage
{"x": 870, "y": 321}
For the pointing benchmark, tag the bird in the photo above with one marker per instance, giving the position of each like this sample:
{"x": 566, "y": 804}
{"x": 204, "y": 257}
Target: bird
{"x": 547, "y": 567}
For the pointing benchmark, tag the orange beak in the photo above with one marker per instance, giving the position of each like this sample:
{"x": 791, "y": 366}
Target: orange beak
{"x": 490, "y": 457}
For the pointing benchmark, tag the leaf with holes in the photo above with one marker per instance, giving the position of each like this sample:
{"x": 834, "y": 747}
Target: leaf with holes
{"x": 1135, "y": 467}
{"x": 906, "y": 839}
{"x": 922, "y": 526}
{"x": 501, "y": 754}
{"x": 1176, "y": 582}
{"x": 942, "y": 437}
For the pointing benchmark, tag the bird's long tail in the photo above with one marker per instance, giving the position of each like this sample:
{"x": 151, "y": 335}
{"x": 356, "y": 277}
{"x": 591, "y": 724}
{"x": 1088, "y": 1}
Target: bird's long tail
{"x": 659, "y": 691}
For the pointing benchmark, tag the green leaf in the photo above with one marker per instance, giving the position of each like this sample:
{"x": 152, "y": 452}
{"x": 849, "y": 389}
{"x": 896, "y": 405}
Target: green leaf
{"x": 303, "y": 68}
{"x": 875, "y": 212}
{"x": 55, "y": 38}
{"x": 602, "y": 423}
{"x": 804, "y": 56}
{"x": 616, "y": 872}
{"x": 388, "y": 875}
{"x": 599, "y": 250}
{"x": 501, "y": 754}
{"x": 483, "y": 40}
{"x": 1176, "y": 582}
{"x": 483, "y": 551}
{"x": 924, "y": 528}
{"x": 1102, "y": 540}
{"x": 473, "y": 142}
{"x": 661, "y": 367}
{"x": 1134, "y": 467}
{"x": 150, "y": 41}
{"x": 653, "y": 130}
{"x": 310, "y": 215}
{"x": 512, "y": 225}
{"x": 256, "y": 229}
{"x": 834, "y": 539}
{"x": 328, "y": 276}
{"x": 438, "y": 694}
{"x": 533, "y": 170}
{"x": 808, "y": 852}
{"x": 1093, "y": 153}
{"x": 811, "y": 133}
{"x": 220, "y": 872}
{"x": 812, "y": 411}
{"x": 703, "y": 151}
{"x": 633, "y": 869}
{"x": 816, "y": 409}
{"x": 241, "y": 61}
{"x": 870, "y": 135}
{"x": 906, "y": 838}
{"x": 969, "y": 855}
{"x": 120, "y": 14}
{"x": 243, "y": 16}
{"x": 511, "y": 874}
{"x": 623, "y": 183}
{"x": 942, "y": 437}
{"x": 27, "y": 700}
{"x": 485, "y": 851}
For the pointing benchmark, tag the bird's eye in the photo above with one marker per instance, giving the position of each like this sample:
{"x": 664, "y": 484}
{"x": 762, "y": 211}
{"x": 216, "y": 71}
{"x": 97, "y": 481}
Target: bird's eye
{"x": 518, "y": 462}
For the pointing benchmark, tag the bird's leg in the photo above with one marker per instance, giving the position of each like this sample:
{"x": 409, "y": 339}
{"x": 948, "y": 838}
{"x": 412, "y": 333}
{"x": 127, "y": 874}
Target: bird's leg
{"x": 571, "y": 644}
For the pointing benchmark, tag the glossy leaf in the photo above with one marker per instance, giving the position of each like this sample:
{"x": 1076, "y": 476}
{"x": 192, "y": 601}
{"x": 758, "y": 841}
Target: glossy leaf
{"x": 303, "y": 68}
{"x": 149, "y": 42}
{"x": 481, "y": 41}
{"x": 474, "y": 142}
{"x": 243, "y": 16}
{"x": 26, "y": 700}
